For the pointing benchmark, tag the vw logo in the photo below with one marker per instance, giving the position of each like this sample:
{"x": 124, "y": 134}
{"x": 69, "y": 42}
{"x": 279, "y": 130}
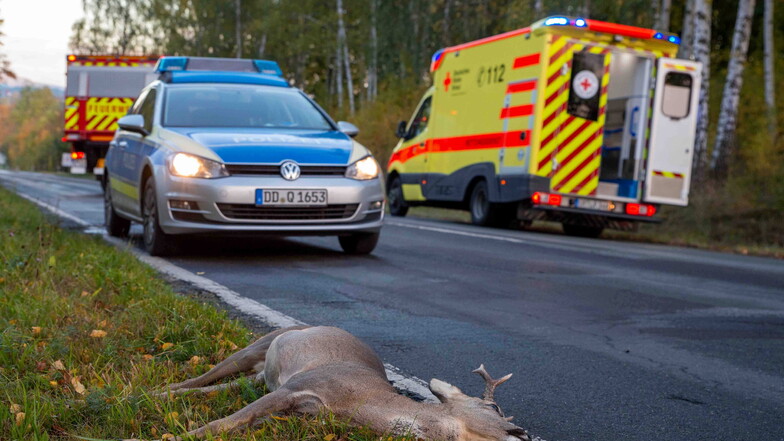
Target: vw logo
{"x": 289, "y": 170}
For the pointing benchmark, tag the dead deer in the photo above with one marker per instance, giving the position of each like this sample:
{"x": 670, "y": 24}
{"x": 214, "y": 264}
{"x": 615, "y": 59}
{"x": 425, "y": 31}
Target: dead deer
{"x": 312, "y": 369}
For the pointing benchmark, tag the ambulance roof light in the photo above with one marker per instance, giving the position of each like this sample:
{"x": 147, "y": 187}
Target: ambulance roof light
{"x": 580, "y": 23}
{"x": 659, "y": 36}
{"x": 556, "y": 21}
{"x": 674, "y": 40}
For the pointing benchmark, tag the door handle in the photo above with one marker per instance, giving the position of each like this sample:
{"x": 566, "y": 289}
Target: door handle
{"x": 122, "y": 144}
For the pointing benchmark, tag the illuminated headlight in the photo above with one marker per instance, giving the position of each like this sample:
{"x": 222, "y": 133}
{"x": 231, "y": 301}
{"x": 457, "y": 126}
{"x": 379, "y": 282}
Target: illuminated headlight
{"x": 364, "y": 169}
{"x": 189, "y": 166}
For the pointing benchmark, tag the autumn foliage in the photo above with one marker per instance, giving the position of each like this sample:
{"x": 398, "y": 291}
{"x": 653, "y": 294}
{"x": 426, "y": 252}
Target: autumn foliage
{"x": 30, "y": 130}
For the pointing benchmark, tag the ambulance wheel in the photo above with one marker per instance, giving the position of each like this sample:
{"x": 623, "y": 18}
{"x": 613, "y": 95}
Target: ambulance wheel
{"x": 115, "y": 225}
{"x": 582, "y": 230}
{"x": 359, "y": 243}
{"x": 483, "y": 212}
{"x": 156, "y": 241}
{"x": 397, "y": 205}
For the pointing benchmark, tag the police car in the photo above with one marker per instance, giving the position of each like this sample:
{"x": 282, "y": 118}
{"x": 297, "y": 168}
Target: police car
{"x": 227, "y": 146}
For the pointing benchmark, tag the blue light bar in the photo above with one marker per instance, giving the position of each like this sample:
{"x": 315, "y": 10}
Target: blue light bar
{"x": 674, "y": 40}
{"x": 171, "y": 64}
{"x": 268, "y": 67}
{"x": 580, "y": 23}
{"x": 208, "y": 64}
{"x": 659, "y": 36}
{"x": 556, "y": 21}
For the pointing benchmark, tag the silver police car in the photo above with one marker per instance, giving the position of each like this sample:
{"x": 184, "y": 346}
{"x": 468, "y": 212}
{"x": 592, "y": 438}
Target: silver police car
{"x": 227, "y": 146}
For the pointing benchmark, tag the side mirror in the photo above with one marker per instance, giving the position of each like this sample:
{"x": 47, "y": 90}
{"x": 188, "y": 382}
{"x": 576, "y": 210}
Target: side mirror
{"x": 401, "y": 130}
{"x": 348, "y": 128}
{"x": 133, "y": 123}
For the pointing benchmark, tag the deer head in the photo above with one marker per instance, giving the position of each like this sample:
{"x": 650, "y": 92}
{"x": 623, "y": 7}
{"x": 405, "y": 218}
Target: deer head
{"x": 481, "y": 418}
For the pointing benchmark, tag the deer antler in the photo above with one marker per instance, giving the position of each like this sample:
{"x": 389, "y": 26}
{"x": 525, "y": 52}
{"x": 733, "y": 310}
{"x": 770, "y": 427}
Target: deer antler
{"x": 490, "y": 383}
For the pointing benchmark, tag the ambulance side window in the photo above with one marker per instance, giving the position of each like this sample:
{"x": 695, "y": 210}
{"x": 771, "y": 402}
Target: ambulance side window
{"x": 676, "y": 101}
{"x": 419, "y": 123}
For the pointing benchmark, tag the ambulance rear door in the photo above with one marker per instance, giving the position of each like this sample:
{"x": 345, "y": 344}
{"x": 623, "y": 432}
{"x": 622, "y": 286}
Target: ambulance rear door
{"x": 673, "y": 132}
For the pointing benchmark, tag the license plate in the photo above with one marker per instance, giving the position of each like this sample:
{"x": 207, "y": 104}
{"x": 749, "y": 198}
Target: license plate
{"x": 291, "y": 198}
{"x": 592, "y": 204}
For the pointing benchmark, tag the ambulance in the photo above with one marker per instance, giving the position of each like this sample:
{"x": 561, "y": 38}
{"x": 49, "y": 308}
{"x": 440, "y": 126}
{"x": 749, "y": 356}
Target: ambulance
{"x": 577, "y": 121}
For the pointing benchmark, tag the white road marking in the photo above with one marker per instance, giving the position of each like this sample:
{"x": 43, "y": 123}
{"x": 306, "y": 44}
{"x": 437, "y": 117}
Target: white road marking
{"x": 456, "y": 232}
{"x": 56, "y": 210}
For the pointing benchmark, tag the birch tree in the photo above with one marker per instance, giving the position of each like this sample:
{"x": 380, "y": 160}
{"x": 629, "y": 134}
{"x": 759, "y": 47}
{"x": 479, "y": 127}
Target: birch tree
{"x": 662, "y": 22}
{"x": 728, "y": 116}
{"x": 770, "y": 84}
{"x": 539, "y": 9}
{"x": 701, "y": 44}
{"x": 343, "y": 55}
{"x": 686, "y": 49}
{"x": 372, "y": 72}
{"x": 5, "y": 65}
{"x": 238, "y": 26}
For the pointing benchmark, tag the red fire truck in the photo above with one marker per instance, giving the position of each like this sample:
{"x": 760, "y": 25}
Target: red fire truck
{"x": 99, "y": 90}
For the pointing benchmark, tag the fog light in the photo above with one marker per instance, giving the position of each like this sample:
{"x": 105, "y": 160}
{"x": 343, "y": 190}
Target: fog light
{"x": 376, "y": 205}
{"x": 183, "y": 205}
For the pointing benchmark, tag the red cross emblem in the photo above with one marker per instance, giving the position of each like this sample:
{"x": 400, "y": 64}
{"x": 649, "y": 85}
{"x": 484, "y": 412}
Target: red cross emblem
{"x": 447, "y": 82}
{"x": 586, "y": 84}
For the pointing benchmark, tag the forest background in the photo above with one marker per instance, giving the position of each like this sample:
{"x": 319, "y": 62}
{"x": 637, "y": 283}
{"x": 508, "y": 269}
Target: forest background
{"x": 367, "y": 61}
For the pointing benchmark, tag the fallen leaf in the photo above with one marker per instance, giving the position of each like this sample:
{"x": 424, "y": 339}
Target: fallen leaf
{"x": 20, "y": 418}
{"x": 329, "y": 437}
{"x": 53, "y": 383}
{"x": 13, "y": 322}
{"x": 58, "y": 365}
{"x": 195, "y": 359}
{"x": 2, "y": 279}
{"x": 98, "y": 333}
{"x": 212, "y": 394}
{"x": 85, "y": 293}
{"x": 147, "y": 357}
{"x": 102, "y": 323}
{"x": 172, "y": 415}
{"x": 52, "y": 261}
{"x": 36, "y": 330}
{"x": 166, "y": 436}
{"x": 41, "y": 366}
{"x": 166, "y": 346}
{"x": 15, "y": 408}
{"x": 77, "y": 385}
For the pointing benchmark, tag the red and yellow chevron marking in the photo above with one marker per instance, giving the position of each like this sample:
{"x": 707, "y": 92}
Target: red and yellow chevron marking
{"x": 570, "y": 150}
{"x": 103, "y": 113}
{"x": 679, "y": 67}
{"x": 108, "y": 64}
{"x": 71, "y": 113}
{"x": 666, "y": 174}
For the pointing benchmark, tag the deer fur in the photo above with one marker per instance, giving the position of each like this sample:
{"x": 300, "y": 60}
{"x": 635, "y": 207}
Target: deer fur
{"x": 312, "y": 369}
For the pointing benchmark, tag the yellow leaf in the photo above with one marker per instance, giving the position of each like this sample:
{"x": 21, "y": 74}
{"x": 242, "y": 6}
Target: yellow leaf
{"x": 20, "y": 416}
{"x": 212, "y": 394}
{"x": 195, "y": 359}
{"x": 77, "y": 385}
{"x": 102, "y": 323}
{"x": 15, "y": 408}
{"x": 53, "y": 383}
{"x": 52, "y": 261}
{"x": 36, "y": 330}
{"x": 166, "y": 346}
{"x": 280, "y": 418}
{"x": 153, "y": 430}
{"x": 98, "y": 333}
{"x": 167, "y": 436}
{"x": 172, "y": 415}
{"x": 58, "y": 365}
{"x": 2, "y": 279}
{"x": 85, "y": 293}
{"x": 329, "y": 437}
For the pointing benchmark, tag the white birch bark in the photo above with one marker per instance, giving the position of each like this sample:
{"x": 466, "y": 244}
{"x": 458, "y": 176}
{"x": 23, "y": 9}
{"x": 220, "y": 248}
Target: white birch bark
{"x": 339, "y": 57}
{"x": 663, "y": 15}
{"x": 372, "y": 91}
{"x": 343, "y": 45}
{"x": 687, "y": 34}
{"x": 728, "y": 116}
{"x": 701, "y": 52}
{"x": 238, "y": 26}
{"x": 770, "y": 84}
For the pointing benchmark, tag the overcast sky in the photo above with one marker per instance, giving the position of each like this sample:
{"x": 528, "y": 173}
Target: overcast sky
{"x": 36, "y": 37}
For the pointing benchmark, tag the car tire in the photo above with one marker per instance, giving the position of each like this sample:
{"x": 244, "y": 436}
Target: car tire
{"x": 582, "y": 230}
{"x": 115, "y": 225}
{"x": 397, "y": 204}
{"x": 484, "y": 213}
{"x": 156, "y": 241}
{"x": 359, "y": 243}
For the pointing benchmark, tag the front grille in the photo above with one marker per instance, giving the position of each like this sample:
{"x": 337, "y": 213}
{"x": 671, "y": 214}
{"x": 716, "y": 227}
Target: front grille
{"x": 252, "y": 212}
{"x": 274, "y": 170}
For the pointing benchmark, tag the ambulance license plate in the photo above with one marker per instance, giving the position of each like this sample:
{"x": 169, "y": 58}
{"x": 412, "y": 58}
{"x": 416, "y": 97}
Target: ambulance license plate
{"x": 592, "y": 204}
{"x": 291, "y": 198}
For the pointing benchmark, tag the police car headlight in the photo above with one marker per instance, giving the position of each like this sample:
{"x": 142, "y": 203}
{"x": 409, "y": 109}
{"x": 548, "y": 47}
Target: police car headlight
{"x": 189, "y": 166}
{"x": 364, "y": 169}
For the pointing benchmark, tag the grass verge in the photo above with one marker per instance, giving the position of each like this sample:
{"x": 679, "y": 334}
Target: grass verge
{"x": 87, "y": 331}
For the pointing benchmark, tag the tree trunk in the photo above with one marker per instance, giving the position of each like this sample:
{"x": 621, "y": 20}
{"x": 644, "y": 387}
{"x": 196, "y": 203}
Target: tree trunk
{"x": 349, "y": 81}
{"x": 770, "y": 84}
{"x": 263, "y": 45}
{"x": 686, "y": 49}
{"x": 238, "y": 26}
{"x": 725, "y": 136}
{"x": 663, "y": 15}
{"x": 445, "y": 28}
{"x": 701, "y": 10}
{"x": 539, "y": 9}
{"x": 372, "y": 90}
{"x": 339, "y": 57}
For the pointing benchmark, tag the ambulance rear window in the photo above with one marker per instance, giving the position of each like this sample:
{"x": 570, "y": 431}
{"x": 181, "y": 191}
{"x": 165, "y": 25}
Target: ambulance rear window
{"x": 676, "y": 101}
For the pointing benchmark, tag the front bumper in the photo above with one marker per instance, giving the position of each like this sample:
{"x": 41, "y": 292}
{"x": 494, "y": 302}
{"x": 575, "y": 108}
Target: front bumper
{"x": 227, "y": 205}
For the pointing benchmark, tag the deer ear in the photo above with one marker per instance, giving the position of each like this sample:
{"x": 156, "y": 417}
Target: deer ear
{"x": 444, "y": 391}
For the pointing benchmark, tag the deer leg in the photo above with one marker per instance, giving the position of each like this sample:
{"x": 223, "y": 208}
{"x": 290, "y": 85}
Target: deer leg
{"x": 214, "y": 388}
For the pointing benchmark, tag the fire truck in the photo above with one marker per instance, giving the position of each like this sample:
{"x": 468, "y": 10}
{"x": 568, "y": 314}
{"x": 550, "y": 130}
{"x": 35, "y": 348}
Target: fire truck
{"x": 578, "y": 121}
{"x": 99, "y": 90}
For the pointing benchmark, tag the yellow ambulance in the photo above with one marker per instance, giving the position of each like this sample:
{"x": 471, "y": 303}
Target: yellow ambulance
{"x": 578, "y": 121}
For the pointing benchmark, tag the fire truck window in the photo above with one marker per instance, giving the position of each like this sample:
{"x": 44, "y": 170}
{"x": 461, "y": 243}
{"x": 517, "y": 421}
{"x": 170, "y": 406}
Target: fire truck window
{"x": 419, "y": 124}
{"x": 147, "y": 109}
{"x": 677, "y": 95}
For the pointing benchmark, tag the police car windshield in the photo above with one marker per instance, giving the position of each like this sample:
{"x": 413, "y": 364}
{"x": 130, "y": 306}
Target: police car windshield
{"x": 240, "y": 106}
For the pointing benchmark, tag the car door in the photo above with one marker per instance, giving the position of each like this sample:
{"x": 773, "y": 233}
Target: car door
{"x": 415, "y": 143}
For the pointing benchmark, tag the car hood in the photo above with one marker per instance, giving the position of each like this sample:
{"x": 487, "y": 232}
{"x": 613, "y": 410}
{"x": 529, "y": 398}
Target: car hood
{"x": 265, "y": 146}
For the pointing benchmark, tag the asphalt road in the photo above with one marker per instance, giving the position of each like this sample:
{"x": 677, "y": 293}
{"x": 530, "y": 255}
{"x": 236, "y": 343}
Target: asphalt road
{"x": 607, "y": 340}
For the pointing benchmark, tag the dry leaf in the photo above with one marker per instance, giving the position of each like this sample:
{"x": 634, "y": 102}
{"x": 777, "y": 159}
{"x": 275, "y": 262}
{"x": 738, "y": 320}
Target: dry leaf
{"x": 166, "y": 346}
{"x": 85, "y": 293}
{"x": 147, "y": 357}
{"x": 15, "y": 408}
{"x": 102, "y": 323}
{"x": 98, "y": 333}
{"x": 20, "y": 418}
{"x": 212, "y": 394}
{"x": 41, "y": 366}
{"x": 166, "y": 436}
{"x": 58, "y": 365}
{"x": 195, "y": 359}
{"x": 36, "y": 330}
{"x": 53, "y": 383}
{"x": 329, "y": 437}
{"x": 77, "y": 385}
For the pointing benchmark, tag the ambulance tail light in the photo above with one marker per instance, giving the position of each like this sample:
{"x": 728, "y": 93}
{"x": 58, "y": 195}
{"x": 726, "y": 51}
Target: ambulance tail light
{"x": 640, "y": 210}
{"x": 540, "y": 198}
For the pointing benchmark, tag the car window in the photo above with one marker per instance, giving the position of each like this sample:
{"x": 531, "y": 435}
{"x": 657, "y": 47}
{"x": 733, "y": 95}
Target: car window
{"x": 240, "y": 106}
{"x": 419, "y": 123}
{"x": 676, "y": 102}
{"x": 138, "y": 103}
{"x": 147, "y": 109}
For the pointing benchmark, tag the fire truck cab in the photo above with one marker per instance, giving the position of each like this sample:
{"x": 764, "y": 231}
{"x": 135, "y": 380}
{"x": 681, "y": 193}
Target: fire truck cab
{"x": 578, "y": 121}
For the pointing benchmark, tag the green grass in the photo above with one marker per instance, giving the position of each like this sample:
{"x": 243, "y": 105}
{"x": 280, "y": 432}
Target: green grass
{"x": 87, "y": 331}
